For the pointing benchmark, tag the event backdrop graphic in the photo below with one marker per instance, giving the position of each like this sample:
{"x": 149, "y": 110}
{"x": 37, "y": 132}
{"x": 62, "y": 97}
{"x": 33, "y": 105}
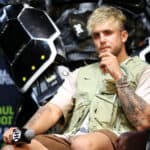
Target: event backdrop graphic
{"x": 10, "y": 98}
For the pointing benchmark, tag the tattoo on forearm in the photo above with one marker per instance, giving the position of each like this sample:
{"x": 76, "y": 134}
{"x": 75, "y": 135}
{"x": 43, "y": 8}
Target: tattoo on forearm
{"x": 133, "y": 105}
{"x": 36, "y": 116}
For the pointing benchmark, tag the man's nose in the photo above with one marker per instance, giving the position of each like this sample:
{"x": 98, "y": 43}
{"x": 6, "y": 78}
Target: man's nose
{"x": 102, "y": 37}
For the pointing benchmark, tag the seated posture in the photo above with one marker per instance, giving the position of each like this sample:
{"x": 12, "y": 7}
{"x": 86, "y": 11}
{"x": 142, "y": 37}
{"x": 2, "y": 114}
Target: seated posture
{"x": 96, "y": 102}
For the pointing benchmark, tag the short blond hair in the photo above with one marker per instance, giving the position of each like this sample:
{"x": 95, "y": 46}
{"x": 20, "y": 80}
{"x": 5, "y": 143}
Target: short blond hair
{"x": 103, "y": 13}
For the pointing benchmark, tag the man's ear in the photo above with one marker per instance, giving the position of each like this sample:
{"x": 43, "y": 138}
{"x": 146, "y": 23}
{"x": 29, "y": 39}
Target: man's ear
{"x": 124, "y": 35}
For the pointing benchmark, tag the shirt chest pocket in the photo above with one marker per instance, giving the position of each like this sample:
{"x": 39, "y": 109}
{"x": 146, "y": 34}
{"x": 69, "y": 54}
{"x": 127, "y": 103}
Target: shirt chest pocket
{"x": 105, "y": 109}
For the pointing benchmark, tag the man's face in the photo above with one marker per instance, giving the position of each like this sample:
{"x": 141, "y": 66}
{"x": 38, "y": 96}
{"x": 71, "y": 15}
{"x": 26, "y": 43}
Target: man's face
{"x": 108, "y": 37}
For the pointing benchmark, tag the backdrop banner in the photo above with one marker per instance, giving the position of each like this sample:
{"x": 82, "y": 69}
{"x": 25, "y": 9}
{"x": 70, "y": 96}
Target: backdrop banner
{"x": 10, "y": 98}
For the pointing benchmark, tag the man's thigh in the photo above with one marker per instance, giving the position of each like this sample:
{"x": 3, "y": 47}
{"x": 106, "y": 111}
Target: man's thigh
{"x": 34, "y": 145}
{"x": 53, "y": 142}
{"x": 99, "y": 138}
{"x": 112, "y": 137}
{"x": 102, "y": 139}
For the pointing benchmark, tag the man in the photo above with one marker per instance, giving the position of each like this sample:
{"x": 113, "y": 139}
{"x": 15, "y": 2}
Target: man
{"x": 104, "y": 98}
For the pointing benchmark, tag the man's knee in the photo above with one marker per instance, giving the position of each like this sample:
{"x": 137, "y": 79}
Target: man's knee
{"x": 93, "y": 141}
{"x": 80, "y": 143}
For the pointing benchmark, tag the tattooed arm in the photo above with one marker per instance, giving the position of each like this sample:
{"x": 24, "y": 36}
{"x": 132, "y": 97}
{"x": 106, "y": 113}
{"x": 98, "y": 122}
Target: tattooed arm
{"x": 44, "y": 118}
{"x": 136, "y": 104}
{"x": 58, "y": 106}
{"x": 48, "y": 115}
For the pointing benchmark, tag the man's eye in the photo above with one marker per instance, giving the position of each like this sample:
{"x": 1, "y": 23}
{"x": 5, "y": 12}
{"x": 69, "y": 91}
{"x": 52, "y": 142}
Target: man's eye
{"x": 108, "y": 32}
{"x": 96, "y": 35}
